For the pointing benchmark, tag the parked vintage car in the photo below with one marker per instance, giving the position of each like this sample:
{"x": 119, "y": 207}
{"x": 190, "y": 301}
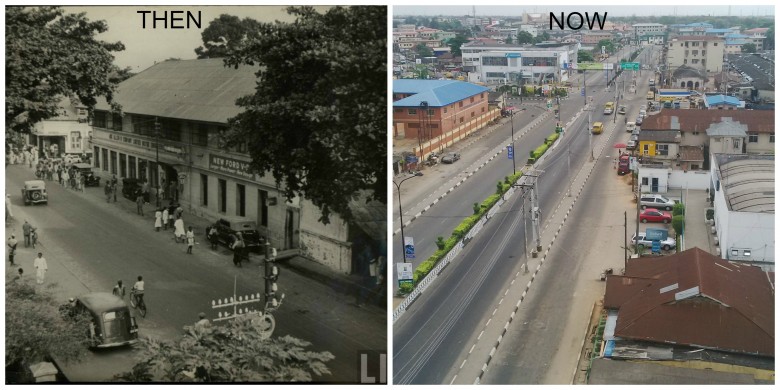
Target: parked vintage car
{"x": 90, "y": 180}
{"x": 131, "y": 188}
{"x": 34, "y": 192}
{"x": 113, "y": 324}
{"x": 228, "y": 227}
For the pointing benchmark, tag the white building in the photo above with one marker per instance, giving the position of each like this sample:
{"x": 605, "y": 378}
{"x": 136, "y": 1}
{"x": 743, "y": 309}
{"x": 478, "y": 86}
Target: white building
{"x": 501, "y": 64}
{"x": 703, "y": 52}
{"x": 66, "y": 133}
{"x": 742, "y": 189}
{"x": 645, "y": 28}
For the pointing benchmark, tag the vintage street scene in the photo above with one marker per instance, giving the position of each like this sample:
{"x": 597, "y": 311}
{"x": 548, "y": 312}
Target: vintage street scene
{"x": 196, "y": 194}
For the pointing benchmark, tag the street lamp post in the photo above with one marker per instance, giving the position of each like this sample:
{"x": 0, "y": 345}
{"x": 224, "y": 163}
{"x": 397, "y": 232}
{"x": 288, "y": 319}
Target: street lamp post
{"x": 512, "y": 141}
{"x": 401, "y": 212}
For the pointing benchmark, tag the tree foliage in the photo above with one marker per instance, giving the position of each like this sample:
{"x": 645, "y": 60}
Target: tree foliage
{"x": 749, "y": 48}
{"x": 51, "y": 55}
{"x": 318, "y": 118}
{"x": 225, "y": 34}
{"x": 609, "y": 46}
{"x": 235, "y": 352}
{"x": 423, "y": 50}
{"x": 524, "y": 38}
{"x": 584, "y": 56}
{"x": 35, "y": 330}
{"x": 456, "y": 43}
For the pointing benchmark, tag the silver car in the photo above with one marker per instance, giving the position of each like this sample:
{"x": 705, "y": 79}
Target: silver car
{"x": 656, "y": 201}
{"x": 666, "y": 244}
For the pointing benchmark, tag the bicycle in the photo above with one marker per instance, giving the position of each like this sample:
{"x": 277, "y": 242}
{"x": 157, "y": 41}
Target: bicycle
{"x": 137, "y": 302}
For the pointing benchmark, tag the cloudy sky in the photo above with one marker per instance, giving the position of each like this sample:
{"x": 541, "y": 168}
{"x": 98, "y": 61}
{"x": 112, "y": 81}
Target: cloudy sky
{"x": 616, "y": 10}
{"x": 145, "y": 46}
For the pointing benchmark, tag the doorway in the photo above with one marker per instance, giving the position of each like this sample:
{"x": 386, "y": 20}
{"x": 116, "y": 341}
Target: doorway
{"x": 291, "y": 228}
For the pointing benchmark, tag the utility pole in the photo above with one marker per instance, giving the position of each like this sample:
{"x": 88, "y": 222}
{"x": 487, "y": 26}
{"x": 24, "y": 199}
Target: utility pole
{"x": 568, "y": 169}
{"x": 235, "y": 302}
{"x": 625, "y": 244}
{"x": 157, "y": 158}
{"x": 401, "y": 213}
{"x": 590, "y": 132}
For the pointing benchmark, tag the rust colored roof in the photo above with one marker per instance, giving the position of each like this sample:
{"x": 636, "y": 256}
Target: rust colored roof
{"x": 691, "y": 153}
{"x": 694, "y": 298}
{"x": 757, "y": 121}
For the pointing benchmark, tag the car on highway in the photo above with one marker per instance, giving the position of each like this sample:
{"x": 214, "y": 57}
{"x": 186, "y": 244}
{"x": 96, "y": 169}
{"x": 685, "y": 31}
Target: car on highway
{"x": 113, "y": 325}
{"x": 643, "y": 112}
{"x": 450, "y": 157}
{"x": 622, "y": 110}
{"x": 666, "y": 244}
{"x": 654, "y": 215}
{"x": 34, "y": 192}
{"x": 609, "y": 108}
{"x": 598, "y": 128}
{"x": 656, "y": 201}
{"x": 227, "y": 229}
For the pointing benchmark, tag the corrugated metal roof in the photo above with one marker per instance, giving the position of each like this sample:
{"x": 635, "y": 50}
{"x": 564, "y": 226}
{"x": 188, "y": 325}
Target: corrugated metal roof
{"x": 691, "y": 153}
{"x": 721, "y": 99}
{"x": 438, "y": 93}
{"x": 727, "y": 129}
{"x": 757, "y": 121}
{"x": 660, "y": 136}
{"x": 749, "y": 185}
{"x": 694, "y": 298}
{"x": 198, "y": 90}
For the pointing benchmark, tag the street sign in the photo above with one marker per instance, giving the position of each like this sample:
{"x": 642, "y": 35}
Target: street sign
{"x": 582, "y": 92}
{"x": 408, "y": 248}
{"x": 411, "y": 159}
{"x": 629, "y": 65}
{"x": 656, "y": 246}
{"x": 510, "y": 152}
{"x": 405, "y": 273}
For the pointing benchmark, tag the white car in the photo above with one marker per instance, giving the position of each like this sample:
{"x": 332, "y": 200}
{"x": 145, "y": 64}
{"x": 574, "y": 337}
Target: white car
{"x": 69, "y": 159}
{"x": 666, "y": 244}
{"x": 630, "y": 126}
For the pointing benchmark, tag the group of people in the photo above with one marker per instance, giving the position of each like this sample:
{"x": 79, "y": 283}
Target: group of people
{"x": 171, "y": 216}
{"x": 25, "y": 156}
{"x": 68, "y": 177}
{"x": 111, "y": 188}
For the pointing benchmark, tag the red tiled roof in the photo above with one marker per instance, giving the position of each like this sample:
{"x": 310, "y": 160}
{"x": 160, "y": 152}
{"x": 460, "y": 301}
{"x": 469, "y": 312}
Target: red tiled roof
{"x": 757, "y": 121}
{"x": 695, "y": 298}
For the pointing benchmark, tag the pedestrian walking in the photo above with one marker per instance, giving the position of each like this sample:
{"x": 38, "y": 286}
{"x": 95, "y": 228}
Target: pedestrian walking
{"x": 212, "y": 235}
{"x": 178, "y": 230}
{"x": 26, "y": 228}
{"x": 113, "y": 190}
{"x": 139, "y": 201}
{"x": 179, "y": 212}
{"x": 171, "y": 218}
{"x": 157, "y": 220}
{"x": 119, "y": 289}
{"x": 165, "y": 218}
{"x": 8, "y": 213}
{"x": 108, "y": 191}
{"x": 65, "y": 179}
{"x": 82, "y": 182}
{"x": 12, "y": 249}
{"x": 40, "y": 268}
{"x": 190, "y": 239}
{"x": 238, "y": 249}
{"x": 59, "y": 175}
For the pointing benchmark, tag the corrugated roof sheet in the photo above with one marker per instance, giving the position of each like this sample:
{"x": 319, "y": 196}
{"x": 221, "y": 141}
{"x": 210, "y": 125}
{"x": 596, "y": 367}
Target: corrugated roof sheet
{"x": 691, "y": 153}
{"x": 749, "y": 185}
{"x": 198, "y": 90}
{"x": 438, "y": 93}
{"x": 694, "y": 298}
{"x": 727, "y": 129}
{"x": 721, "y": 99}
{"x": 757, "y": 121}
{"x": 670, "y": 136}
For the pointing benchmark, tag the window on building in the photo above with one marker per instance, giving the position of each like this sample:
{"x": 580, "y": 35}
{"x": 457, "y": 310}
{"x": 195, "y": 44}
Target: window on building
{"x": 262, "y": 209}
{"x": 170, "y": 129}
{"x": 412, "y": 111}
{"x": 240, "y": 200}
{"x": 122, "y": 165}
{"x": 431, "y": 112}
{"x": 200, "y": 135}
{"x": 714, "y": 43}
{"x": 752, "y": 138}
{"x": 685, "y": 61}
{"x": 495, "y": 61}
{"x": 694, "y": 166}
{"x": 116, "y": 122}
{"x": 471, "y": 100}
{"x": 113, "y": 162}
{"x": 704, "y": 52}
{"x": 96, "y": 153}
{"x": 222, "y": 195}
{"x": 771, "y": 138}
{"x": 105, "y": 160}
{"x": 75, "y": 140}
{"x": 662, "y": 149}
{"x": 204, "y": 190}
{"x": 460, "y": 104}
{"x": 645, "y": 181}
{"x": 100, "y": 119}
{"x": 746, "y": 253}
{"x": 646, "y": 148}
{"x": 461, "y": 119}
{"x": 694, "y": 61}
{"x": 736, "y": 143}
{"x": 131, "y": 167}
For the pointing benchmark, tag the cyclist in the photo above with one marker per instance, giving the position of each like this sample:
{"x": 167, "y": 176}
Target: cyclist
{"x": 119, "y": 290}
{"x": 138, "y": 290}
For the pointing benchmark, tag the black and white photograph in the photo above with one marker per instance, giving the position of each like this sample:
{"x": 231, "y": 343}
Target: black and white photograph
{"x": 196, "y": 194}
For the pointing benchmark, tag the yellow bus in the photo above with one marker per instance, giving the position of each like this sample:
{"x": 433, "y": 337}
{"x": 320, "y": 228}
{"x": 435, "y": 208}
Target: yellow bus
{"x": 609, "y": 108}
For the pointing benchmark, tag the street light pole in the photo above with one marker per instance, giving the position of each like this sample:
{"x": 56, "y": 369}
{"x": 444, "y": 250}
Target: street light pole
{"x": 401, "y": 212}
{"x": 512, "y": 141}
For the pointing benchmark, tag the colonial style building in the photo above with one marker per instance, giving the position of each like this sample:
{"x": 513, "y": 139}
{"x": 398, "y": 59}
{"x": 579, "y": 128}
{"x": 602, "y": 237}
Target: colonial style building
{"x": 169, "y": 132}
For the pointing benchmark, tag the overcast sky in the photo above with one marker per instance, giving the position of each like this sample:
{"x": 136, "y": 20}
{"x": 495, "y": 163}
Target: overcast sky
{"x": 639, "y": 10}
{"x": 145, "y": 46}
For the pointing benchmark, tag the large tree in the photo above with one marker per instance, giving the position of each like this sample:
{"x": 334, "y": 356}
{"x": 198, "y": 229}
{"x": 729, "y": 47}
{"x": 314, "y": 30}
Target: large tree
{"x": 584, "y": 56}
{"x": 225, "y": 34}
{"x": 749, "y": 48}
{"x": 455, "y": 44}
{"x": 318, "y": 118}
{"x": 50, "y": 55}
{"x": 235, "y": 352}
{"x": 423, "y": 50}
{"x": 524, "y": 37}
{"x": 35, "y": 330}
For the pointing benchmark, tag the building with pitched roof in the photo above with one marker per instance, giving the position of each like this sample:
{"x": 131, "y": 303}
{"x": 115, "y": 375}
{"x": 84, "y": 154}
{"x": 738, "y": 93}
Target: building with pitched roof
{"x": 723, "y": 102}
{"x": 742, "y": 189}
{"x": 168, "y": 135}
{"x": 659, "y": 144}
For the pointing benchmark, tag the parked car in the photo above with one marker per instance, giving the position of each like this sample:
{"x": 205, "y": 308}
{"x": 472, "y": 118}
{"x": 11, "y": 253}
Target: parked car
{"x": 113, "y": 324}
{"x": 90, "y": 180}
{"x": 653, "y": 215}
{"x": 643, "y": 113}
{"x": 666, "y": 244}
{"x": 656, "y": 201}
{"x": 228, "y": 227}
{"x": 630, "y": 126}
{"x": 71, "y": 159}
{"x": 638, "y": 120}
{"x": 131, "y": 188}
{"x": 631, "y": 145}
{"x": 450, "y": 157}
{"x": 34, "y": 192}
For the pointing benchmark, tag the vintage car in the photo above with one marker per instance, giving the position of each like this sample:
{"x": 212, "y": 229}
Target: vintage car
{"x": 90, "y": 180}
{"x": 131, "y": 188}
{"x": 228, "y": 227}
{"x": 34, "y": 192}
{"x": 113, "y": 324}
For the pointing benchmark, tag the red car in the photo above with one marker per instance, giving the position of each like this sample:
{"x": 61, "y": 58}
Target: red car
{"x": 653, "y": 215}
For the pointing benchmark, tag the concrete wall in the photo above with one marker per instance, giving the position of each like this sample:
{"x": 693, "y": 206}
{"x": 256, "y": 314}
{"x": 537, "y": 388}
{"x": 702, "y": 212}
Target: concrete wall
{"x": 326, "y": 244}
{"x": 693, "y": 180}
{"x": 748, "y": 231}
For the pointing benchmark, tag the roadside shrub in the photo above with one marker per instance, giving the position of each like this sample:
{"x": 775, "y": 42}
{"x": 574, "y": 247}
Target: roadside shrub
{"x": 476, "y": 208}
{"x": 440, "y": 242}
{"x": 677, "y": 223}
{"x": 678, "y": 209}
{"x": 499, "y": 188}
{"x": 549, "y": 140}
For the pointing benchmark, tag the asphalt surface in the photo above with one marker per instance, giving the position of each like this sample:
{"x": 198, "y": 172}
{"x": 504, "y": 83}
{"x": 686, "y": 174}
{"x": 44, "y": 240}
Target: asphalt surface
{"x": 99, "y": 243}
{"x": 431, "y": 338}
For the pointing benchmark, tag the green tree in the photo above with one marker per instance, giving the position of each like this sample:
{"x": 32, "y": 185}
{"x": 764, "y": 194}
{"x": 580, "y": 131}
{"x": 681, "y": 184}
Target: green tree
{"x": 584, "y": 56}
{"x": 456, "y": 43}
{"x": 318, "y": 119}
{"x": 423, "y": 50}
{"x": 236, "y": 352}
{"x": 749, "y": 48}
{"x": 544, "y": 36}
{"x": 509, "y": 39}
{"x": 50, "y": 55}
{"x": 608, "y": 44}
{"x": 524, "y": 37}
{"x": 225, "y": 34}
{"x": 35, "y": 330}
{"x": 769, "y": 41}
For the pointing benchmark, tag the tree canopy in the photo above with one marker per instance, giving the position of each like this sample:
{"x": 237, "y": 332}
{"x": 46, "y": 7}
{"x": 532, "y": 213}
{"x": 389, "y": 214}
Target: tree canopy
{"x": 749, "y": 48}
{"x": 584, "y": 56}
{"x": 318, "y": 118}
{"x": 235, "y": 352}
{"x": 456, "y": 43}
{"x": 524, "y": 37}
{"x": 50, "y": 55}
{"x": 423, "y": 51}
{"x": 225, "y": 34}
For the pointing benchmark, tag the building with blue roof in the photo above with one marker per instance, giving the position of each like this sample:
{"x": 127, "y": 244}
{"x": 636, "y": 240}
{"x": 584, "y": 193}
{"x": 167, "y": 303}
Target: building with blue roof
{"x": 723, "y": 102}
{"x": 436, "y": 113}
